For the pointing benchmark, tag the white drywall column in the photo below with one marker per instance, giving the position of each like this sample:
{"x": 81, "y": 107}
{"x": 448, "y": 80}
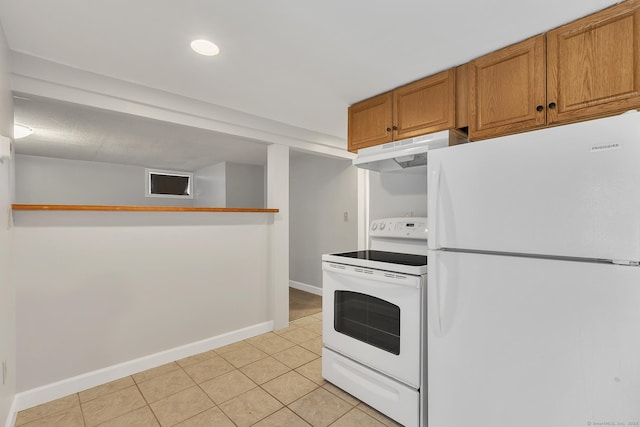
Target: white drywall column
{"x": 278, "y": 197}
{"x": 363, "y": 209}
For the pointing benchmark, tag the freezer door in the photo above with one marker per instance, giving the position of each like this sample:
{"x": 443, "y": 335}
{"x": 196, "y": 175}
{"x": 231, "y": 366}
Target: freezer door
{"x": 515, "y": 341}
{"x": 569, "y": 191}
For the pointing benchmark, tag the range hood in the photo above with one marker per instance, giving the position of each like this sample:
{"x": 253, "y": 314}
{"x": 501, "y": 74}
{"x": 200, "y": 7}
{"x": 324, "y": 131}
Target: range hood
{"x": 398, "y": 156}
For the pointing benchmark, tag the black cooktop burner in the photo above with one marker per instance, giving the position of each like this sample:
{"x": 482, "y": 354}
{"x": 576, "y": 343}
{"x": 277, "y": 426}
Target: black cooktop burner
{"x": 390, "y": 257}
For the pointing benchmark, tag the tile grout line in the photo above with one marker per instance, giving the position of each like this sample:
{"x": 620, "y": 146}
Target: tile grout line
{"x": 215, "y": 405}
{"x": 251, "y": 379}
{"x": 84, "y": 421}
{"x": 50, "y": 414}
{"x": 145, "y": 401}
{"x": 223, "y": 411}
{"x": 260, "y": 386}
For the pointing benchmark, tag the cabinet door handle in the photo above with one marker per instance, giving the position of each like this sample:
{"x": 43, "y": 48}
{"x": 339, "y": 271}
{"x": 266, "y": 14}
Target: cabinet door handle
{"x": 552, "y": 105}
{"x": 539, "y": 108}
{"x": 395, "y": 127}
{"x": 388, "y": 129}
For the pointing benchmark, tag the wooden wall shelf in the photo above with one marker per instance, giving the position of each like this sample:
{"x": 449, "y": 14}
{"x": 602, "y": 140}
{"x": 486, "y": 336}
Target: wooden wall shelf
{"x": 106, "y": 208}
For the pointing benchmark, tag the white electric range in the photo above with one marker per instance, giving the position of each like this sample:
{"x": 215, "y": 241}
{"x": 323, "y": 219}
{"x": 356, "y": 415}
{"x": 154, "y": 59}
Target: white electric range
{"x": 374, "y": 319}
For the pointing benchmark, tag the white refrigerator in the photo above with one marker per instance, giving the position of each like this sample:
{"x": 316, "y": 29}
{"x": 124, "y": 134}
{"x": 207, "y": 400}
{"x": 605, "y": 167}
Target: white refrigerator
{"x": 533, "y": 279}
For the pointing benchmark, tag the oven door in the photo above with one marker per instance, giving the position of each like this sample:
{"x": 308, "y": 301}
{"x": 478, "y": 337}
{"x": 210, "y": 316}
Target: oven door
{"x": 374, "y": 317}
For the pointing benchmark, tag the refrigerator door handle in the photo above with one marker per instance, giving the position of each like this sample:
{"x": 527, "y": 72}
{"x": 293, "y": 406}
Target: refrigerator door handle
{"x": 433, "y": 295}
{"x": 434, "y": 198}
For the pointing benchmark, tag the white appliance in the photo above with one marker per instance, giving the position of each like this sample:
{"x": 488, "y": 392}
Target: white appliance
{"x": 405, "y": 154}
{"x": 534, "y": 282}
{"x": 374, "y": 318}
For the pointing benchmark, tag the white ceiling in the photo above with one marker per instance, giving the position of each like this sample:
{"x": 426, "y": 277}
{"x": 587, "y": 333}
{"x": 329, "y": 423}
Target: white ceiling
{"x": 297, "y": 62}
{"x": 72, "y": 131}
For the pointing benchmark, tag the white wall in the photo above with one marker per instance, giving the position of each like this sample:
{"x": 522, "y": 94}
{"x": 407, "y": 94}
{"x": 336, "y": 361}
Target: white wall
{"x": 210, "y": 185}
{"x": 100, "y": 288}
{"x": 322, "y": 189}
{"x": 7, "y": 288}
{"x": 231, "y": 185}
{"x": 397, "y": 194}
{"x": 245, "y": 186}
{"x": 48, "y": 180}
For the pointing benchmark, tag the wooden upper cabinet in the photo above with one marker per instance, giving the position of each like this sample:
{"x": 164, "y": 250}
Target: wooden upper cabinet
{"x": 370, "y": 122}
{"x": 424, "y": 106}
{"x": 586, "y": 69}
{"x": 583, "y": 70}
{"x": 462, "y": 97}
{"x": 594, "y": 65}
{"x": 507, "y": 90}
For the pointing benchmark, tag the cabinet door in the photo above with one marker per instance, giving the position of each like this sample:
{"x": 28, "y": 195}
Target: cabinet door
{"x": 424, "y": 106}
{"x": 594, "y": 65}
{"x": 508, "y": 90}
{"x": 370, "y": 122}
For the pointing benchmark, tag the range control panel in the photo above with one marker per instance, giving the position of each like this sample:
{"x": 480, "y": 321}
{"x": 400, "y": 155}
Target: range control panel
{"x": 403, "y": 228}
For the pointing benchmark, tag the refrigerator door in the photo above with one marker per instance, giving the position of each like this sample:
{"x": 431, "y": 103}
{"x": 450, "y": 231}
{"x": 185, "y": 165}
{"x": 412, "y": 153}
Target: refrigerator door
{"x": 568, "y": 191}
{"x": 515, "y": 341}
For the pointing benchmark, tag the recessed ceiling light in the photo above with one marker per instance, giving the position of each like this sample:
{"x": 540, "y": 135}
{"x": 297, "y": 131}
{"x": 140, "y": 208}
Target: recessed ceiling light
{"x": 21, "y": 131}
{"x": 205, "y": 47}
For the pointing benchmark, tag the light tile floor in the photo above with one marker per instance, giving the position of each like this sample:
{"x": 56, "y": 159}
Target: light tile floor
{"x": 273, "y": 379}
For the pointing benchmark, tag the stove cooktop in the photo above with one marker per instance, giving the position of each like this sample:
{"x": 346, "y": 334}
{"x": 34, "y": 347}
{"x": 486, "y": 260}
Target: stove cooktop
{"x": 381, "y": 260}
{"x": 389, "y": 257}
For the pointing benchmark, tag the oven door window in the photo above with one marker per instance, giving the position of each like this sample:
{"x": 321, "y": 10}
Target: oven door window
{"x": 368, "y": 319}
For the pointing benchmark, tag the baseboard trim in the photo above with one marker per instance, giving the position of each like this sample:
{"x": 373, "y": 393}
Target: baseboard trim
{"x": 13, "y": 413}
{"x": 46, "y": 393}
{"x": 304, "y": 287}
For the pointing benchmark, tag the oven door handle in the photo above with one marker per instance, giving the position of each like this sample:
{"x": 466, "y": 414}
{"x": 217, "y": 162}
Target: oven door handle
{"x": 383, "y": 277}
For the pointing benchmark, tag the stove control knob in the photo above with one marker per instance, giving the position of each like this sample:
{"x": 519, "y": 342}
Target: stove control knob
{"x": 374, "y": 226}
{"x": 382, "y": 226}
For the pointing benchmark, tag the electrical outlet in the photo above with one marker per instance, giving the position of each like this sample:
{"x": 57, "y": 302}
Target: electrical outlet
{"x": 346, "y": 216}
{"x": 4, "y": 372}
